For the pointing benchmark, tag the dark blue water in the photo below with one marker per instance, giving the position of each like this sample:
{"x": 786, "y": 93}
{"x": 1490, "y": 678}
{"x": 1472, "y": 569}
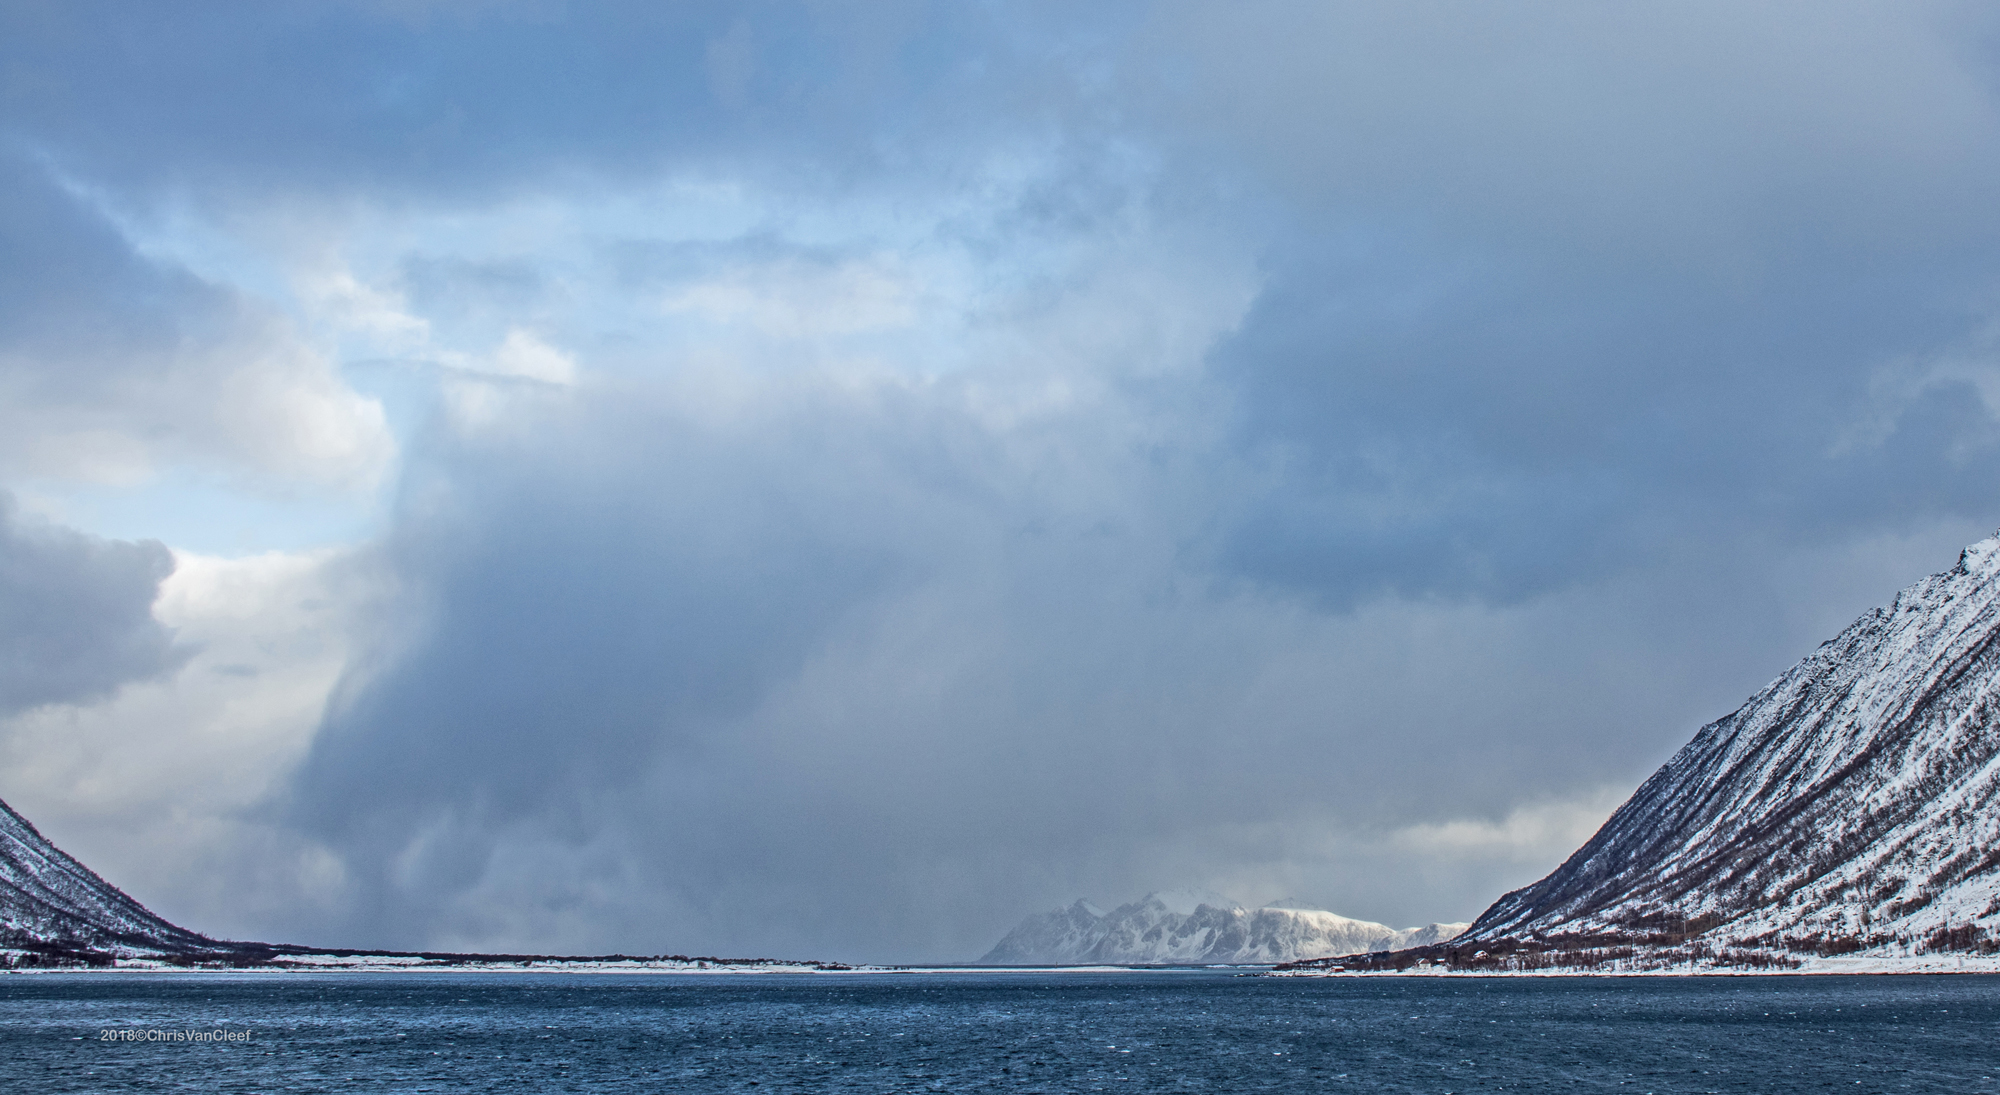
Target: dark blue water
{"x": 1135, "y": 1032}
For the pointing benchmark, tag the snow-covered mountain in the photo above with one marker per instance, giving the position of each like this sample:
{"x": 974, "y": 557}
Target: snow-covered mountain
{"x": 1851, "y": 806}
{"x": 51, "y": 903}
{"x": 1191, "y": 927}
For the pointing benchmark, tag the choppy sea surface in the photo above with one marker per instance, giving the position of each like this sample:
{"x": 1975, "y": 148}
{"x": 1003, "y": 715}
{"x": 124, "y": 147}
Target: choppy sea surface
{"x": 1051, "y": 1032}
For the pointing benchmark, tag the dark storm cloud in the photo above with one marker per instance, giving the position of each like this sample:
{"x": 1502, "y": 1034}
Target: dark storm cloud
{"x": 1540, "y": 426}
{"x": 83, "y": 320}
{"x": 588, "y": 608}
{"x": 76, "y": 613}
{"x": 1566, "y": 285}
{"x": 238, "y": 100}
{"x": 804, "y": 658}
{"x": 70, "y": 273}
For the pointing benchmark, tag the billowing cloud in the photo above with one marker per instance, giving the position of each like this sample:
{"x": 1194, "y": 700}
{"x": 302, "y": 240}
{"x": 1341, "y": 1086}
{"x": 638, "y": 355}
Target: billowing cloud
{"x": 113, "y": 365}
{"x": 161, "y": 787}
{"x": 76, "y": 613}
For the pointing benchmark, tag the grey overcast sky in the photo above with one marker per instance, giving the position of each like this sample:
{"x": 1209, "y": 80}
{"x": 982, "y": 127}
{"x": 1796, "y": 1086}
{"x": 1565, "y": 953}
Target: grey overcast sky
{"x": 830, "y": 479}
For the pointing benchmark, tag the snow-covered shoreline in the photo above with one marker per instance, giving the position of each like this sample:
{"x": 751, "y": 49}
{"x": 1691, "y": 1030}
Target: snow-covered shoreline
{"x": 415, "y": 964}
{"x": 400, "y": 964}
{"x": 1807, "y": 967}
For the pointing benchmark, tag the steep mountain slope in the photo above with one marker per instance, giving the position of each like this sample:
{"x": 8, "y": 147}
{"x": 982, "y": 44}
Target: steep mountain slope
{"x": 1852, "y": 805}
{"x": 50, "y": 902}
{"x": 1179, "y": 927}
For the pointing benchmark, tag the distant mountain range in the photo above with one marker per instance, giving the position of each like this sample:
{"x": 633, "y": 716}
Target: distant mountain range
{"x": 1850, "y": 808}
{"x": 1189, "y": 927}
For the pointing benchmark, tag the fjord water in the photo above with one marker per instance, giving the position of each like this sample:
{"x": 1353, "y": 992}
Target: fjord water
{"x": 996, "y": 1031}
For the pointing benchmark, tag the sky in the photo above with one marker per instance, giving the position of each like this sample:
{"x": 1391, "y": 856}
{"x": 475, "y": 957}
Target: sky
{"x": 829, "y": 480}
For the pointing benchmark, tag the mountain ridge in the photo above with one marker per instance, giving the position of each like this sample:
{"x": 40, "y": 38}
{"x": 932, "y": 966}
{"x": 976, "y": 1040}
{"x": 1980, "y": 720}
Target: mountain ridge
{"x": 1181, "y": 927}
{"x": 49, "y": 901}
{"x": 1852, "y": 806}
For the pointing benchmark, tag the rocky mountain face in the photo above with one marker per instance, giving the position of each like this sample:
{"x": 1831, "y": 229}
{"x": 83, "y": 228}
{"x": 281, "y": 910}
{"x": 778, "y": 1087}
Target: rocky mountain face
{"x": 1853, "y": 806}
{"x": 54, "y": 907}
{"x": 1181, "y": 927}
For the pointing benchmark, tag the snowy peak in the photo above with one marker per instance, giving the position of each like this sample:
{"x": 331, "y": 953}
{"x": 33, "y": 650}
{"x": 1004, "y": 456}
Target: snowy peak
{"x": 1196, "y": 927}
{"x": 1852, "y": 805}
{"x": 1982, "y": 558}
{"x": 1184, "y": 902}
